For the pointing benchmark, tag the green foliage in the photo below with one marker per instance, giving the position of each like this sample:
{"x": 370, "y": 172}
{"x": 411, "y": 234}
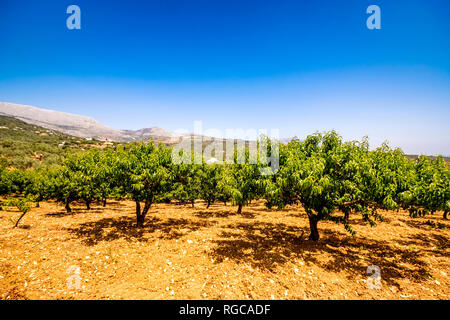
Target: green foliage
{"x": 21, "y": 203}
{"x": 428, "y": 187}
{"x": 4, "y": 179}
{"x": 107, "y": 176}
{"x": 37, "y": 188}
{"x": 144, "y": 172}
{"x": 244, "y": 179}
{"x": 211, "y": 183}
{"x": 329, "y": 177}
{"x": 186, "y": 179}
{"x": 84, "y": 175}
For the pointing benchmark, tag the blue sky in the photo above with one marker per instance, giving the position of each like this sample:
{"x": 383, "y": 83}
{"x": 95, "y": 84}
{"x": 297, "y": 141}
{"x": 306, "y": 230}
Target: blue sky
{"x": 296, "y": 66}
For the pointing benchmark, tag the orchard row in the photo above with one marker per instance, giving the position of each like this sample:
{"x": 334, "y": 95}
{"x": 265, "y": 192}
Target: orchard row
{"x": 330, "y": 178}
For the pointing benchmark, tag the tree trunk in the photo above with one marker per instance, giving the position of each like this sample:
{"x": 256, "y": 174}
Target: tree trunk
{"x": 239, "y": 208}
{"x": 192, "y": 202}
{"x": 147, "y": 205}
{"x": 225, "y": 203}
{"x": 140, "y": 216}
{"x": 209, "y": 203}
{"x": 104, "y": 202}
{"x": 346, "y": 214}
{"x": 139, "y": 220}
{"x": 38, "y": 201}
{"x": 88, "y": 204}
{"x": 17, "y": 222}
{"x": 313, "y": 228}
{"x": 68, "y": 209}
{"x": 445, "y": 215}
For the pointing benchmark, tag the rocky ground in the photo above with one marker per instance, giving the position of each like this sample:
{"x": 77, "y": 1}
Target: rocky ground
{"x": 199, "y": 253}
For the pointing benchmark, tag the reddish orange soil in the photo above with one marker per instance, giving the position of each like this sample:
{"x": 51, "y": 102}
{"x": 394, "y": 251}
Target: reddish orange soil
{"x": 199, "y": 253}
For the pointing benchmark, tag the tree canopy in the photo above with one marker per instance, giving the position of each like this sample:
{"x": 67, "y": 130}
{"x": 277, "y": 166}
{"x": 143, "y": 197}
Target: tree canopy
{"x": 329, "y": 177}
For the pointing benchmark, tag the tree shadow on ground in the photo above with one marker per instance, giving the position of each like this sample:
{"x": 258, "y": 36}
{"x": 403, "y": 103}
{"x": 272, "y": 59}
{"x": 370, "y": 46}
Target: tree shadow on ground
{"x": 288, "y": 211}
{"x": 429, "y": 242}
{"x": 428, "y": 223}
{"x": 214, "y": 213}
{"x": 77, "y": 210}
{"x": 266, "y": 245}
{"x": 63, "y": 213}
{"x": 205, "y": 214}
{"x": 110, "y": 229}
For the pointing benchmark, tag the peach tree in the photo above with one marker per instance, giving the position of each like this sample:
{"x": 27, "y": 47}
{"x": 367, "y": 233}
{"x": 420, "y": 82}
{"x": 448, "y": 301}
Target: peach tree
{"x": 329, "y": 177}
{"x": 144, "y": 174}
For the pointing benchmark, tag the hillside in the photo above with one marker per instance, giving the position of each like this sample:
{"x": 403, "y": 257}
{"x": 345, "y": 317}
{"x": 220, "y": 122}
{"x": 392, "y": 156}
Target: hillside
{"x": 24, "y": 145}
{"x": 77, "y": 125}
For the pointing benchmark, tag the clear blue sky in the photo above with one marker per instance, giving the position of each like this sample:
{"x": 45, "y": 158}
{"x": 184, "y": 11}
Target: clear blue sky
{"x": 299, "y": 66}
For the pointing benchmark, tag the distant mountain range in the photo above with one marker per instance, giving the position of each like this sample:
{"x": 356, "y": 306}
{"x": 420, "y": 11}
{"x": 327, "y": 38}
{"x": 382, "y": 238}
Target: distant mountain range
{"x": 86, "y": 127}
{"x": 80, "y": 126}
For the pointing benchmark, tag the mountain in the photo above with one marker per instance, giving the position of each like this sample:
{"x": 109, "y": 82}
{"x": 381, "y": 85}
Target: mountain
{"x": 146, "y": 133}
{"x": 24, "y": 145}
{"x": 77, "y": 125}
